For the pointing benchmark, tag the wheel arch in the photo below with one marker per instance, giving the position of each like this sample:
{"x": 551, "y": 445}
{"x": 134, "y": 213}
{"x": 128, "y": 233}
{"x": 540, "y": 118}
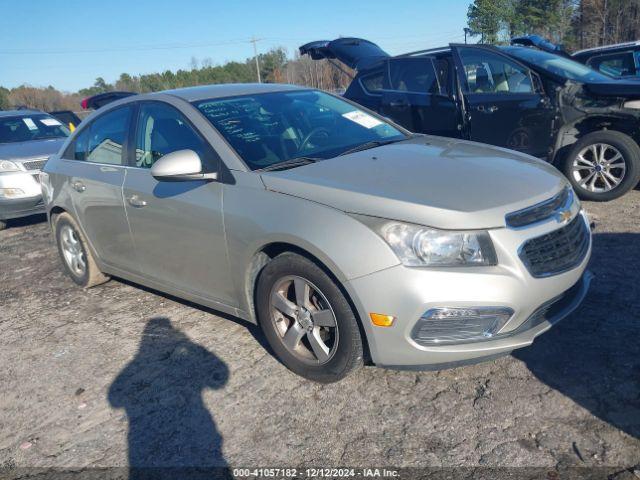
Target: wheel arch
{"x": 269, "y": 251}
{"x": 571, "y": 133}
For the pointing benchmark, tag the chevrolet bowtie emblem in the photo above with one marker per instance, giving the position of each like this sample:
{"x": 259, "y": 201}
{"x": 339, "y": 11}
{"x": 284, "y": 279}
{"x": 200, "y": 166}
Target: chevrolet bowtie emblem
{"x": 564, "y": 216}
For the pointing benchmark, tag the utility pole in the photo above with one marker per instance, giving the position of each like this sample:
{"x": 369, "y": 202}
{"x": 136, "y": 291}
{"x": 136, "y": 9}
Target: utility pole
{"x": 467, "y": 31}
{"x": 254, "y": 40}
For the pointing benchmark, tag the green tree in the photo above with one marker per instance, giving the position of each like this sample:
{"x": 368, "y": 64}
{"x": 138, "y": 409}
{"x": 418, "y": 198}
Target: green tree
{"x": 490, "y": 19}
{"x": 4, "y": 99}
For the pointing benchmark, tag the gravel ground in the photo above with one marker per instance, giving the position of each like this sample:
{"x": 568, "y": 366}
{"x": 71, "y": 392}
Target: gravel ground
{"x": 118, "y": 374}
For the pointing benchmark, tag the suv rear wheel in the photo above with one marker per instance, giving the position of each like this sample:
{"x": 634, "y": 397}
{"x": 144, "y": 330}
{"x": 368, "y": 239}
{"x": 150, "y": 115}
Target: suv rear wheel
{"x": 307, "y": 320}
{"x": 603, "y": 165}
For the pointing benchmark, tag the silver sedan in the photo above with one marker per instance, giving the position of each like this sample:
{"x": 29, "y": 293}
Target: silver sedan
{"x": 346, "y": 238}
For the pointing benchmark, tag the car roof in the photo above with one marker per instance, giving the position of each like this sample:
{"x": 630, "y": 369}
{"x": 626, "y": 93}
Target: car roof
{"x": 19, "y": 113}
{"x": 204, "y": 92}
{"x": 608, "y": 48}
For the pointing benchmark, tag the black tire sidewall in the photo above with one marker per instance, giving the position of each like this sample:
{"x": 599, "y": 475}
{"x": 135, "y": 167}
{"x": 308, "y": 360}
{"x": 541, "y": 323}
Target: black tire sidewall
{"x": 349, "y": 352}
{"x": 79, "y": 280}
{"x": 629, "y": 150}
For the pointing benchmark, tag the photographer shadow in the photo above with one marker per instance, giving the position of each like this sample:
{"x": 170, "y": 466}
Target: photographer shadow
{"x": 593, "y": 356}
{"x": 171, "y": 432}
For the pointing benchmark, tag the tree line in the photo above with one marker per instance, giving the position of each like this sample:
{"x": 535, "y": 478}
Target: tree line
{"x": 574, "y": 23}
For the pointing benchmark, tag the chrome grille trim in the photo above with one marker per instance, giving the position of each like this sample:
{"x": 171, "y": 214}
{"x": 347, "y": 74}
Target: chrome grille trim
{"x": 541, "y": 211}
{"x": 35, "y": 164}
{"x": 557, "y": 251}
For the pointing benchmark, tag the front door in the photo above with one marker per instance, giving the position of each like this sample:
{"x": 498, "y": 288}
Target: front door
{"x": 504, "y": 101}
{"x": 96, "y": 171}
{"x": 177, "y": 227}
{"x": 417, "y": 98}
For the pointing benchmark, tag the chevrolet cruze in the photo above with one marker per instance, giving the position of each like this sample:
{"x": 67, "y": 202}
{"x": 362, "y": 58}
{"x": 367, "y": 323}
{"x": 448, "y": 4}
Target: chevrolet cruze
{"x": 346, "y": 238}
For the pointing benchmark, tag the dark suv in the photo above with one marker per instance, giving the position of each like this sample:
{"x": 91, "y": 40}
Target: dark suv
{"x": 618, "y": 60}
{"x": 526, "y": 99}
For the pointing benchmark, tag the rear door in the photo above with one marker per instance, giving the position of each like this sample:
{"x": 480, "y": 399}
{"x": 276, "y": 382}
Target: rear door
{"x": 95, "y": 166}
{"x": 177, "y": 227}
{"x": 504, "y": 101}
{"x": 417, "y": 95}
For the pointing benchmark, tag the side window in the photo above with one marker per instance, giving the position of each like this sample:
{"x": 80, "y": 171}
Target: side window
{"x": 619, "y": 65}
{"x": 487, "y": 72}
{"x": 107, "y": 136}
{"x": 372, "y": 82}
{"x": 443, "y": 70}
{"x": 161, "y": 130}
{"x": 78, "y": 149}
{"x": 415, "y": 75}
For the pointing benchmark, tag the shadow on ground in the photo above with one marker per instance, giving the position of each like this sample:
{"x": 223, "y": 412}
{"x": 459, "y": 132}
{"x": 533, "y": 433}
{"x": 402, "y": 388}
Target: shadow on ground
{"x": 593, "y": 356}
{"x": 171, "y": 432}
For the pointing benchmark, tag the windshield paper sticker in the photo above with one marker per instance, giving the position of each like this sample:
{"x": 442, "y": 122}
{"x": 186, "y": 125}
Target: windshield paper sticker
{"x": 50, "y": 122}
{"x": 29, "y": 123}
{"x": 362, "y": 118}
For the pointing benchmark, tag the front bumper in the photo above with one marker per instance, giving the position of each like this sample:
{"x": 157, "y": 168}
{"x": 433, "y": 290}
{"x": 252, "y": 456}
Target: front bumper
{"x": 29, "y": 203}
{"x": 407, "y": 293}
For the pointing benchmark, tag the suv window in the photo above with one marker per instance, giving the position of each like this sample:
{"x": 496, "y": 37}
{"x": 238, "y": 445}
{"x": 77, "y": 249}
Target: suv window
{"x": 617, "y": 64}
{"x": 106, "y": 137}
{"x": 487, "y": 72}
{"x": 372, "y": 82}
{"x": 161, "y": 130}
{"x": 415, "y": 75}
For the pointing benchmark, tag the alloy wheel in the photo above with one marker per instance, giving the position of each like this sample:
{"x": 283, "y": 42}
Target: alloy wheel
{"x": 72, "y": 251}
{"x": 304, "y": 320}
{"x": 599, "y": 167}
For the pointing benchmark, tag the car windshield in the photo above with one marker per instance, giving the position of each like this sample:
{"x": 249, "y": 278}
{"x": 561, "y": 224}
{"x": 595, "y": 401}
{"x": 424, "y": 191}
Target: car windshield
{"x": 24, "y": 128}
{"x": 561, "y": 66}
{"x": 270, "y": 128}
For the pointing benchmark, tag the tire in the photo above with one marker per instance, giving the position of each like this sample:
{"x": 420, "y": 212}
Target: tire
{"x": 70, "y": 241}
{"x": 579, "y": 171}
{"x": 340, "y": 351}
{"x": 3, "y": 224}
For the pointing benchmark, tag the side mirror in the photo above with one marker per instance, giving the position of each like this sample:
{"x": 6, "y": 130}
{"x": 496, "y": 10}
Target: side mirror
{"x": 180, "y": 166}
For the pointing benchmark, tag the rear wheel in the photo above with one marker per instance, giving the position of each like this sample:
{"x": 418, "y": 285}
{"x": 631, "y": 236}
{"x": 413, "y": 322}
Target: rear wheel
{"x": 307, "y": 320}
{"x": 3, "y": 224}
{"x": 603, "y": 165}
{"x": 75, "y": 253}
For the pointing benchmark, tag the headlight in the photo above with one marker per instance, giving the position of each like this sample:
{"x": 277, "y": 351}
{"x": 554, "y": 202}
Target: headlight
{"x": 7, "y": 166}
{"x": 418, "y": 246}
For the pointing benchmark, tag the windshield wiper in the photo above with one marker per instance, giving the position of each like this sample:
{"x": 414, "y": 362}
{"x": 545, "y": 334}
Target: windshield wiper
{"x": 371, "y": 144}
{"x": 291, "y": 163}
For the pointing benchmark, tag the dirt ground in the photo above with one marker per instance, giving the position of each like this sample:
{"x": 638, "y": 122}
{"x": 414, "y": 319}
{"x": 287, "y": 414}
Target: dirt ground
{"x": 117, "y": 375}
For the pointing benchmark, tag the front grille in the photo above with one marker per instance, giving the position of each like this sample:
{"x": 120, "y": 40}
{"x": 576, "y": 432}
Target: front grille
{"x": 558, "y": 251}
{"x": 541, "y": 211}
{"x": 34, "y": 164}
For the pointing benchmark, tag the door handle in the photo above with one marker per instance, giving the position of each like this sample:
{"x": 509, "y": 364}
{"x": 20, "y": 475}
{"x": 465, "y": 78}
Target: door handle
{"x": 398, "y": 103}
{"x": 136, "y": 201}
{"x": 79, "y": 186}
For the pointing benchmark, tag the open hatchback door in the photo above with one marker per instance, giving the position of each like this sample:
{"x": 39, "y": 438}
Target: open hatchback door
{"x": 356, "y": 53}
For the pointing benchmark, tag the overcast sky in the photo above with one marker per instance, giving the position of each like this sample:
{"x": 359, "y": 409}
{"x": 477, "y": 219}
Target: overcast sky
{"x": 69, "y": 43}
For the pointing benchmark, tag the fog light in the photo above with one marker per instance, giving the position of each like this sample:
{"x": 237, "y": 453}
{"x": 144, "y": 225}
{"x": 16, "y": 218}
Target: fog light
{"x": 442, "y": 326}
{"x": 11, "y": 192}
{"x": 381, "y": 320}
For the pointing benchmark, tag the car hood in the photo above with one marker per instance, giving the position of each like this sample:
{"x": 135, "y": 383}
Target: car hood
{"x": 32, "y": 149}
{"x": 443, "y": 183}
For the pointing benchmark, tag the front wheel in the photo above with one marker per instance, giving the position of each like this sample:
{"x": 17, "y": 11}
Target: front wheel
{"x": 307, "y": 320}
{"x": 603, "y": 166}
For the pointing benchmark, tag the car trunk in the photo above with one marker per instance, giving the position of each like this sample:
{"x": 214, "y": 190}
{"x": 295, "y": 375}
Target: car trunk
{"x": 356, "y": 53}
